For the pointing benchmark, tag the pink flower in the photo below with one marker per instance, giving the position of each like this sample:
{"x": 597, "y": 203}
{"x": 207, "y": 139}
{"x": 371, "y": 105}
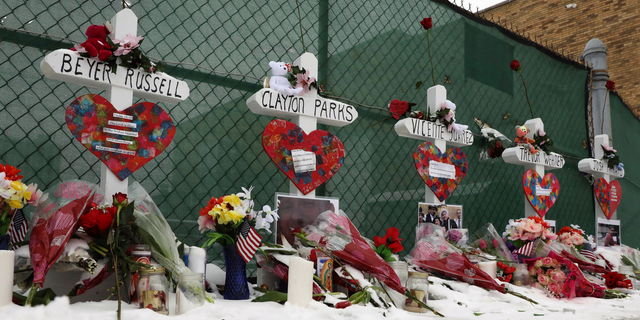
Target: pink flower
{"x": 558, "y": 276}
{"x": 540, "y": 272}
{"x": 547, "y": 234}
{"x": 482, "y": 244}
{"x": 544, "y": 280}
{"x": 304, "y": 81}
{"x": 532, "y": 226}
{"x": 538, "y": 263}
{"x": 449, "y": 115}
{"x": 577, "y": 239}
{"x": 206, "y": 222}
{"x": 126, "y": 45}
{"x": 606, "y": 147}
{"x": 79, "y": 48}
{"x": 532, "y": 271}
{"x": 541, "y": 132}
{"x": 547, "y": 261}
{"x": 555, "y": 288}
{"x": 495, "y": 243}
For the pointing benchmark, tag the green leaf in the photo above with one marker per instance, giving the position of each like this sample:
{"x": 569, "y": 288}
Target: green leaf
{"x": 126, "y": 214}
{"x": 215, "y": 236}
{"x": 418, "y": 85}
{"x": 411, "y": 104}
{"x": 274, "y": 296}
{"x": 42, "y": 297}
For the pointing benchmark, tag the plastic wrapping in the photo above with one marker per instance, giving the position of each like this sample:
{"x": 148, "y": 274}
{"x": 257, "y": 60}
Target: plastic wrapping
{"x": 55, "y": 220}
{"x": 487, "y": 239}
{"x": 335, "y": 232}
{"x": 156, "y": 232}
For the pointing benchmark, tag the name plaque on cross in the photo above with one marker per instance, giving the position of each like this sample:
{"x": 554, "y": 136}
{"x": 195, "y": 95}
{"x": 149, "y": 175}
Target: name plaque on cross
{"x": 425, "y": 130}
{"x": 66, "y": 65}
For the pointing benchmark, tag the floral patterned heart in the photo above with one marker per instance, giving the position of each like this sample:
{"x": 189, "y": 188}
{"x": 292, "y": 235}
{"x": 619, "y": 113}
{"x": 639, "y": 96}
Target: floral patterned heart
{"x": 607, "y": 195}
{"x": 442, "y": 172}
{"x": 281, "y": 137}
{"x": 123, "y": 140}
{"x": 542, "y": 192}
{"x": 398, "y": 108}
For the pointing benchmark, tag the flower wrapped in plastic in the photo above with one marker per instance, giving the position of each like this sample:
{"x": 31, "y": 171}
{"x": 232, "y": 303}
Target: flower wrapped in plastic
{"x": 561, "y": 278}
{"x": 434, "y": 254}
{"x": 156, "y": 232}
{"x": 55, "y": 220}
{"x": 488, "y": 240}
{"x": 631, "y": 257}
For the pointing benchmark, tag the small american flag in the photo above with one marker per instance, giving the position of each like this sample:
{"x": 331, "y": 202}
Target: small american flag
{"x": 248, "y": 241}
{"x": 527, "y": 249}
{"x": 588, "y": 254}
{"x": 18, "y": 228}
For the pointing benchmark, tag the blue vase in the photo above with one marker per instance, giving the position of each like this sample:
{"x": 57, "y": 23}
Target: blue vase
{"x": 235, "y": 282}
{"x": 4, "y": 242}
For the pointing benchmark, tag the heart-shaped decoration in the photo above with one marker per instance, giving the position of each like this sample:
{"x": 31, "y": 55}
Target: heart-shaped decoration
{"x": 123, "y": 140}
{"x": 442, "y": 172}
{"x": 542, "y": 192}
{"x": 398, "y": 108}
{"x": 281, "y": 137}
{"x": 607, "y": 195}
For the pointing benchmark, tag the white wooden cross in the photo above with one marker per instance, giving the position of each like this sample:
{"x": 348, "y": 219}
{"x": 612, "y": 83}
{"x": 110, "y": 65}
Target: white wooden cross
{"x": 433, "y": 132}
{"x": 539, "y": 162}
{"x": 67, "y": 66}
{"x": 599, "y": 169}
{"x": 306, "y": 111}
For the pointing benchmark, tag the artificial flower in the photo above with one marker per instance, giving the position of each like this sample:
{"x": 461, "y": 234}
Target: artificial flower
{"x": 230, "y": 216}
{"x": 391, "y": 240}
{"x": 426, "y": 23}
{"x": 606, "y": 147}
{"x": 515, "y": 65}
{"x": 610, "y": 85}
{"x": 127, "y": 44}
{"x": 206, "y": 222}
{"x": 304, "y": 81}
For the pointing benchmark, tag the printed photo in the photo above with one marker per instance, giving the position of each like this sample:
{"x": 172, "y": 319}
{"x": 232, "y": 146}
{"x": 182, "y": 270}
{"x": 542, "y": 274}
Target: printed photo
{"x": 552, "y": 225}
{"x": 608, "y": 233}
{"x": 447, "y": 215}
{"x": 295, "y": 211}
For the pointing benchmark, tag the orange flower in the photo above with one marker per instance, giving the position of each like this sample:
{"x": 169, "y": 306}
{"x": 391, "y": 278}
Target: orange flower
{"x": 11, "y": 172}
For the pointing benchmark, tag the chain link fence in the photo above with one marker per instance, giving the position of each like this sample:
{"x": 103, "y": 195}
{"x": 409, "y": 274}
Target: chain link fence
{"x": 369, "y": 52}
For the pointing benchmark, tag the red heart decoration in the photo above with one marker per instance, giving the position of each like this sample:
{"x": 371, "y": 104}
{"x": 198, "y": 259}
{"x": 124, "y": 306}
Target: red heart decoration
{"x": 142, "y": 132}
{"x": 541, "y": 203}
{"x": 441, "y": 187}
{"x": 398, "y": 108}
{"x": 608, "y": 195}
{"x": 280, "y": 137}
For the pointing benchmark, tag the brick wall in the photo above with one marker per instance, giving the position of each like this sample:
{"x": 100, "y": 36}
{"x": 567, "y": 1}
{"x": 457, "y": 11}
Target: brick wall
{"x": 615, "y": 22}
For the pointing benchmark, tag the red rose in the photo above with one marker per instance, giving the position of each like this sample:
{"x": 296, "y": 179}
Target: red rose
{"x": 426, "y": 23}
{"x": 515, "y": 65}
{"x": 98, "y": 221}
{"x": 610, "y": 85}
{"x": 120, "y": 200}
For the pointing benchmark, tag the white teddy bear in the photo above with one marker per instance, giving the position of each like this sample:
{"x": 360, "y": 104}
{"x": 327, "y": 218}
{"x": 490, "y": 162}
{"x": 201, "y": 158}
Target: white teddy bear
{"x": 278, "y": 80}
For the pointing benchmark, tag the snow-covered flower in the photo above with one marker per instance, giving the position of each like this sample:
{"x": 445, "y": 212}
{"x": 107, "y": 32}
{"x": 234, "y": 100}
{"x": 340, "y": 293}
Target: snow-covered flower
{"x": 127, "y": 44}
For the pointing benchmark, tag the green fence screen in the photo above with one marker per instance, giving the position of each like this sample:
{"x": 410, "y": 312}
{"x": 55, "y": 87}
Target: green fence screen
{"x": 369, "y": 52}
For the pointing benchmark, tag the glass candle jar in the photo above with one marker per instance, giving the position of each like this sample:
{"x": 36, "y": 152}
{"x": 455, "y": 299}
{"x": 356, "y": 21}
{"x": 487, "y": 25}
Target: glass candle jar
{"x": 418, "y": 285}
{"x": 402, "y": 270}
{"x": 140, "y": 253}
{"x": 153, "y": 290}
{"x": 521, "y": 276}
{"x": 190, "y": 292}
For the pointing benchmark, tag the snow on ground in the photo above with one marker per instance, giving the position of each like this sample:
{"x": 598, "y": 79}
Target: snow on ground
{"x": 465, "y": 302}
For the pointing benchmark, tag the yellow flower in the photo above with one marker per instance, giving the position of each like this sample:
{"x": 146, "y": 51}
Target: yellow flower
{"x": 15, "y": 203}
{"x": 232, "y": 200}
{"x": 216, "y": 211}
{"x": 230, "y": 216}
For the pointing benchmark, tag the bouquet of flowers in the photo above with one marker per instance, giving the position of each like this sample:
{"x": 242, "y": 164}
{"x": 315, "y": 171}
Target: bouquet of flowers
{"x": 390, "y": 243}
{"x": 487, "y": 240}
{"x": 524, "y": 233}
{"x": 14, "y": 195}
{"x": 617, "y": 280}
{"x": 457, "y": 237}
{"x": 562, "y": 278}
{"x": 572, "y": 236}
{"x": 504, "y": 272}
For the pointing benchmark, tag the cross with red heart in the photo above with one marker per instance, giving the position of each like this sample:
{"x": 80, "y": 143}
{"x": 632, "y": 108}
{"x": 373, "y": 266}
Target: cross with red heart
{"x": 452, "y": 167}
{"x": 542, "y": 192}
{"x": 123, "y": 140}
{"x": 281, "y": 137}
{"x": 607, "y": 195}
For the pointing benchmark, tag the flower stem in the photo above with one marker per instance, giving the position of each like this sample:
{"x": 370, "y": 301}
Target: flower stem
{"x": 526, "y": 93}
{"x": 430, "y": 59}
{"x": 32, "y": 294}
{"x": 422, "y": 304}
{"x": 115, "y": 262}
{"x": 304, "y": 49}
